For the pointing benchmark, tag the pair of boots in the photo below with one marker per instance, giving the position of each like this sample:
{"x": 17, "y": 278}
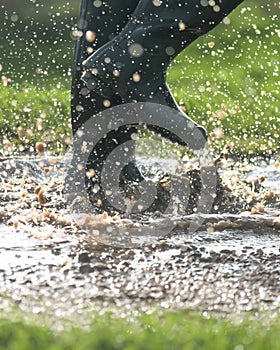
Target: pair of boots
{"x": 122, "y": 54}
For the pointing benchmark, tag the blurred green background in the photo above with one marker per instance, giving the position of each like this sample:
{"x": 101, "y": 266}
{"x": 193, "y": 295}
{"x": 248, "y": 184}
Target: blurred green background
{"x": 227, "y": 80}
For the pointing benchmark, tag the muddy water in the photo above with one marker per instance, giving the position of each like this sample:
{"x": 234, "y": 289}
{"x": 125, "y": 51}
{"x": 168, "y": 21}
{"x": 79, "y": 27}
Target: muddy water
{"x": 49, "y": 264}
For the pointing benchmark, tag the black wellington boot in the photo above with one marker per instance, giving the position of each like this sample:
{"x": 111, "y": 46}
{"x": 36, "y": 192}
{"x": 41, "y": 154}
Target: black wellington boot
{"x": 99, "y": 22}
{"x": 134, "y": 63}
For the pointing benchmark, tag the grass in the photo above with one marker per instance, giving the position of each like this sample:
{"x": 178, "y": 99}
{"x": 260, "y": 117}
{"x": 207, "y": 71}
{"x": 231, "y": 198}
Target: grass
{"x": 230, "y": 81}
{"x": 227, "y": 81}
{"x": 29, "y": 115}
{"x": 169, "y": 330}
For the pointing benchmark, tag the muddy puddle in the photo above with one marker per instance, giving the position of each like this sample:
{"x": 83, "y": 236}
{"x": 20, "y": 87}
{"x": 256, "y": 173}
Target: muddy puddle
{"x": 50, "y": 264}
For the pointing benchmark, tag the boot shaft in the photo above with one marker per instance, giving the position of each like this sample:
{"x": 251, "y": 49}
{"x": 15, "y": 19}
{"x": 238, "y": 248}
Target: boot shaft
{"x": 135, "y": 62}
{"x": 165, "y": 27}
{"x": 99, "y": 22}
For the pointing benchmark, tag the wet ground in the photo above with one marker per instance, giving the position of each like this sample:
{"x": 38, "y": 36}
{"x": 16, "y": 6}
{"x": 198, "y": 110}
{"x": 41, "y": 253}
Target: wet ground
{"x": 50, "y": 264}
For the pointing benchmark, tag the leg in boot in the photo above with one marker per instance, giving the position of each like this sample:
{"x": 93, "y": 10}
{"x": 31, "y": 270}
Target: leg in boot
{"x": 134, "y": 63}
{"x": 99, "y": 22}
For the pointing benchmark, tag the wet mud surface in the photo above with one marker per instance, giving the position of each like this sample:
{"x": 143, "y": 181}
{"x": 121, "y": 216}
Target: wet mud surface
{"x": 50, "y": 264}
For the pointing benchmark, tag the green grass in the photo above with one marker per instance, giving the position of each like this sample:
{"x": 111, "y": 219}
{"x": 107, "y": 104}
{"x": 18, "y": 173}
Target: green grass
{"x": 167, "y": 331}
{"x": 29, "y": 115}
{"x": 231, "y": 88}
{"x": 234, "y": 85}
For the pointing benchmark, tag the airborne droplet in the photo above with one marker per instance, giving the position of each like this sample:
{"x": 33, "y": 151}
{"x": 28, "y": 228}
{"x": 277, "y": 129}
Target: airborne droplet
{"x": 90, "y": 36}
{"x": 136, "y": 50}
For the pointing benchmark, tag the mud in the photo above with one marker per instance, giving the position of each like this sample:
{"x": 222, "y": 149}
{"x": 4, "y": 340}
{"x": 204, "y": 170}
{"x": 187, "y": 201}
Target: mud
{"x": 50, "y": 264}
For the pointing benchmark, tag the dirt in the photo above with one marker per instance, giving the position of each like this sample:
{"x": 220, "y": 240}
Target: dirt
{"x": 49, "y": 264}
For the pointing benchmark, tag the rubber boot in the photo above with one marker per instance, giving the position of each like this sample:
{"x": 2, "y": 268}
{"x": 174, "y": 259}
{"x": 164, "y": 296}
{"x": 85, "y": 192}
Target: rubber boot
{"x": 98, "y": 23}
{"x": 134, "y": 63}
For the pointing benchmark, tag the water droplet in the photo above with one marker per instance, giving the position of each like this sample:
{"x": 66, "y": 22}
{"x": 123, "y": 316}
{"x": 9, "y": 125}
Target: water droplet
{"x": 90, "y": 36}
{"x": 79, "y": 108}
{"x": 226, "y": 21}
{"x": 216, "y": 8}
{"x": 14, "y": 18}
{"x": 204, "y": 3}
{"x": 97, "y": 3}
{"x": 182, "y": 26}
{"x": 136, "y": 50}
{"x": 211, "y": 44}
{"x": 136, "y": 77}
{"x": 157, "y": 3}
{"x": 107, "y": 103}
{"x": 170, "y": 51}
{"x": 116, "y": 73}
